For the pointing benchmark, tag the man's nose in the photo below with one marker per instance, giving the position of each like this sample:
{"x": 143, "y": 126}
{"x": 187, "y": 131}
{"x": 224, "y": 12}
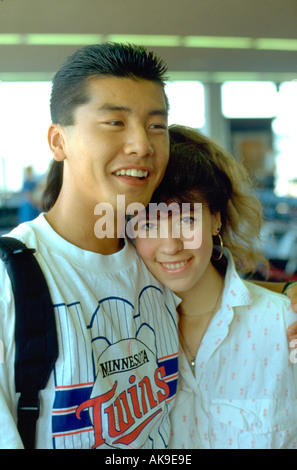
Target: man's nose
{"x": 139, "y": 143}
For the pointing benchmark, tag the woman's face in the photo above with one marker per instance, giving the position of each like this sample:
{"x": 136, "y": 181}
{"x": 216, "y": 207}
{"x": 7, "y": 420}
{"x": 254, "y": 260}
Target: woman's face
{"x": 171, "y": 259}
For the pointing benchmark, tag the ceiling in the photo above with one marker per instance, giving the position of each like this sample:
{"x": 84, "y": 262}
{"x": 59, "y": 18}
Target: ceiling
{"x": 208, "y": 40}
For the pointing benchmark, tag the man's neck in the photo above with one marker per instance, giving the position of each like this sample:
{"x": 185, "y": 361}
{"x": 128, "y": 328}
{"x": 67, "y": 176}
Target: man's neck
{"x": 78, "y": 227}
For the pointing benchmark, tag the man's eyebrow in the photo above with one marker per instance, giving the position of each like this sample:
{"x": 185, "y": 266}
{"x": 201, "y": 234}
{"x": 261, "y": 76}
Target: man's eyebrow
{"x": 112, "y": 107}
{"x": 159, "y": 112}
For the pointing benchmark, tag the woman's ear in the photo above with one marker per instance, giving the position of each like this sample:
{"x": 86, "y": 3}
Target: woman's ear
{"x": 56, "y": 142}
{"x": 216, "y": 223}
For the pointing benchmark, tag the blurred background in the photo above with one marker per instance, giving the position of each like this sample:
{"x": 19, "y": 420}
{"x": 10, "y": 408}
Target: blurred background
{"x": 232, "y": 74}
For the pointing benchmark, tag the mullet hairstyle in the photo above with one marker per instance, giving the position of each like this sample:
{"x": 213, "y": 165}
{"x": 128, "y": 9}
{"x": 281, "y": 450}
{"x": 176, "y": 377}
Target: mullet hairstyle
{"x": 70, "y": 89}
{"x": 199, "y": 170}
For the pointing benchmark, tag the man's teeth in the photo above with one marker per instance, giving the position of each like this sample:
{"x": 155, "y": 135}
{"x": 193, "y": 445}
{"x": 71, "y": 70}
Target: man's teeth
{"x": 175, "y": 265}
{"x": 132, "y": 172}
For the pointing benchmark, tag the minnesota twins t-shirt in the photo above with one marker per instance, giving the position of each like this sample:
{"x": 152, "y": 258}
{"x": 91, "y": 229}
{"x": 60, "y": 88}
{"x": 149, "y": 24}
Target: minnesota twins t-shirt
{"x": 115, "y": 379}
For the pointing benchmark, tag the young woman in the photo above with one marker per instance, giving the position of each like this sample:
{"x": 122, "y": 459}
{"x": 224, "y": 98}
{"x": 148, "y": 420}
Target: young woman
{"x": 237, "y": 386}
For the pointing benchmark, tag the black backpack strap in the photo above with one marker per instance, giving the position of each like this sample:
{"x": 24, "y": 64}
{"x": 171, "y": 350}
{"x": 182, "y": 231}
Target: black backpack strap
{"x": 35, "y": 332}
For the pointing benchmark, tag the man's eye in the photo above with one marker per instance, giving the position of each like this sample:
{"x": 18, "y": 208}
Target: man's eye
{"x": 158, "y": 126}
{"x": 115, "y": 123}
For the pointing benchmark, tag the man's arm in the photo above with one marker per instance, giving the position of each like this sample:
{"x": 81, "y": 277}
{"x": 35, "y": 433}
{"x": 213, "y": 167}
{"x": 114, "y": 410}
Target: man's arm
{"x": 291, "y": 292}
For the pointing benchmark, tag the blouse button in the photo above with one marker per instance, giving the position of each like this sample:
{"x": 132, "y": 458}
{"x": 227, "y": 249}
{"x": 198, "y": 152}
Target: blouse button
{"x": 257, "y": 424}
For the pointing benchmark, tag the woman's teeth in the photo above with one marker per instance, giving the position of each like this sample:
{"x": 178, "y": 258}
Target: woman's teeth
{"x": 175, "y": 265}
{"x": 132, "y": 172}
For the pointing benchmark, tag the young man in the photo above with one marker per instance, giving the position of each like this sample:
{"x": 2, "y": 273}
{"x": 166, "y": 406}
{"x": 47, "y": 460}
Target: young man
{"x": 115, "y": 379}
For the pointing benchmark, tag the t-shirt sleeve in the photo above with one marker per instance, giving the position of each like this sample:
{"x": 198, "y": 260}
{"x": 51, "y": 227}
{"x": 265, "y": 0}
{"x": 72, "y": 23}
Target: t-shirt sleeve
{"x": 9, "y": 436}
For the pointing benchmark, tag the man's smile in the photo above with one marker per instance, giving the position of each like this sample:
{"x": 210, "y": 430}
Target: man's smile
{"x": 134, "y": 172}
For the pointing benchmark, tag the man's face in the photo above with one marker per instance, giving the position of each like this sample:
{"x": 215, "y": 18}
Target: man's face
{"x": 119, "y": 142}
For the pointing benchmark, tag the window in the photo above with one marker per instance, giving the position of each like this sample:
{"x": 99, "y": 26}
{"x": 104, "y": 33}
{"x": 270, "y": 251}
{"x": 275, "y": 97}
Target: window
{"x": 186, "y": 99}
{"x": 285, "y": 129}
{"x": 249, "y": 99}
{"x": 24, "y": 120}
{"x": 266, "y": 100}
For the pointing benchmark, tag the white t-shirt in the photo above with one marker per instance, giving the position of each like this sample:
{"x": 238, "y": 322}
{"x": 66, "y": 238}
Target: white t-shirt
{"x": 114, "y": 382}
{"x": 244, "y": 395}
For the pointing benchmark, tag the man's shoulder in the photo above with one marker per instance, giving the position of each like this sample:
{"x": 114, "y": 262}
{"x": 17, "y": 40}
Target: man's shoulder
{"x": 27, "y": 232}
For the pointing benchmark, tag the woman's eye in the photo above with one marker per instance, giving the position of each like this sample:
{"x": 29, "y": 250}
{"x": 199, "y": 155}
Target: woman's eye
{"x": 149, "y": 226}
{"x": 187, "y": 220}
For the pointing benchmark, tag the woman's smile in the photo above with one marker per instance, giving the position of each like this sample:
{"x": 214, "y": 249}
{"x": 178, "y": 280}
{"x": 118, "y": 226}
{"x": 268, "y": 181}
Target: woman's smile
{"x": 175, "y": 267}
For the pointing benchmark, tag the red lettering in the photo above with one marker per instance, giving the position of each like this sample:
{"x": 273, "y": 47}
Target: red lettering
{"x": 96, "y": 403}
{"x": 134, "y": 397}
{"x": 119, "y": 416}
{"x": 145, "y": 382}
{"x": 160, "y": 383}
{"x": 133, "y": 435}
{"x": 122, "y": 425}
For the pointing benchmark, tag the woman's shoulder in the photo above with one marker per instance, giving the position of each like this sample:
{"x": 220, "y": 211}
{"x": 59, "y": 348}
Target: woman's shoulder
{"x": 267, "y": 295}
{"x": 266, "y": 303}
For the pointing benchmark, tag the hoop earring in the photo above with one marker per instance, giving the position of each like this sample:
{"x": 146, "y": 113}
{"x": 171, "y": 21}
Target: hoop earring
{"x": 221, "y": 248}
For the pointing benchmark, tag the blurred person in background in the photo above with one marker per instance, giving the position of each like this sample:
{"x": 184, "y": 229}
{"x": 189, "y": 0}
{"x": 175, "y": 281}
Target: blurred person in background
{"x": 29, "y": 207}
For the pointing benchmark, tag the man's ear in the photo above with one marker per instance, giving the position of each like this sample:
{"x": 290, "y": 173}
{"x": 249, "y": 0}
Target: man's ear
{"x": 56, "y": 142}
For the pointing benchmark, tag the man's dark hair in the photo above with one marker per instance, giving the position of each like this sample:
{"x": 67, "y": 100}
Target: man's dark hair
{"x": 70, "y": 88}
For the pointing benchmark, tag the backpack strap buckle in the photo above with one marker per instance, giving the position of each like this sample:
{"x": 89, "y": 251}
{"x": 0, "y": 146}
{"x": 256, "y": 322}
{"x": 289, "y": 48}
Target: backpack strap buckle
{"x": 28, "y": 413}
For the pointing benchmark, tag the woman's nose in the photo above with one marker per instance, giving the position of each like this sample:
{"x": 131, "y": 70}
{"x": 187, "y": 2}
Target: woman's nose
{"x": 171, "y": 244}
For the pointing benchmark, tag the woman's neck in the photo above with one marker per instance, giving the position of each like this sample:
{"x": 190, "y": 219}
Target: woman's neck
{"x": 197, "y": 310}
{"x": 201, "y": 298}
